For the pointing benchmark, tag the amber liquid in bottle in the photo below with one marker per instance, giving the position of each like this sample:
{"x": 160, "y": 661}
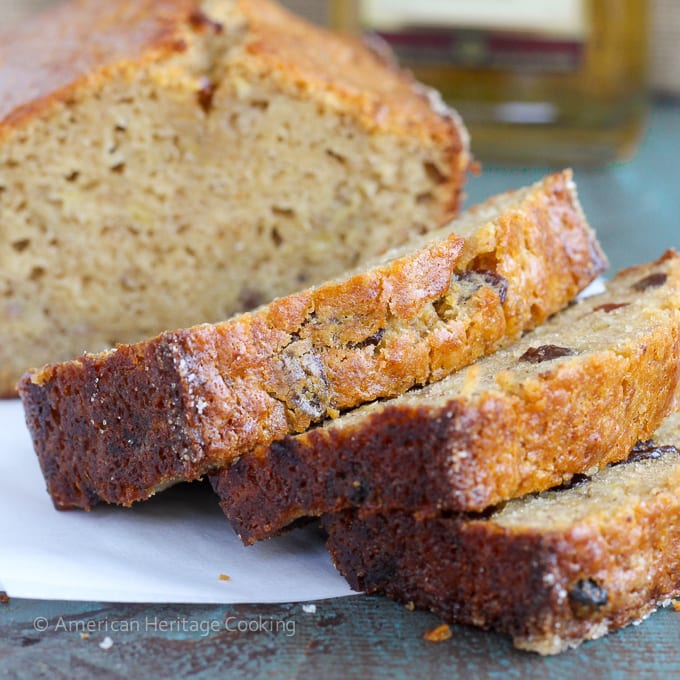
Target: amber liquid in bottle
{"x": 528, "y": 93}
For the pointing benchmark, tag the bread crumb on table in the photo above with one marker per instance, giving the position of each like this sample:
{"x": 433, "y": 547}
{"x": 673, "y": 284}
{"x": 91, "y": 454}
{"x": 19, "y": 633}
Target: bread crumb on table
{"x": 106, "y": 643}
{"x": 224, "y": 577}
{"x": 309, "y": 608}
{"x": 4, "y": 597}
{"x": 676, "y": 605}
{"x": 438, "y": 634}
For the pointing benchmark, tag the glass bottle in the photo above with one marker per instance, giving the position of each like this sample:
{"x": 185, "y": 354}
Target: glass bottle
{"x": 559, "y": 82}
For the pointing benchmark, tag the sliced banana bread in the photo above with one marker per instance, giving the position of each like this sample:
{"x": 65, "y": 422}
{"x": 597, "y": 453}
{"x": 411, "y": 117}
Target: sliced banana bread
{"x": 121, "y": 425}
{"x": 551, "y": 570}
{"x": 170, "y": 163}
{"x": 572, "y": 395}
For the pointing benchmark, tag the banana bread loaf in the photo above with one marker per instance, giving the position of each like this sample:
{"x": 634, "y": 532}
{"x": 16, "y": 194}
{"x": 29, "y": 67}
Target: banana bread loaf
{"x": 551, "y": 570}
{"x": 572, "y": 395}
{"x": 170, "y": 163}
{"x": 121, "y": 425}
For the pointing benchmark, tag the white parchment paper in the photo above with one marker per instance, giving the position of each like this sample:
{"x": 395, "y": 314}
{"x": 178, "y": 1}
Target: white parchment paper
{"x": 172, "y": 548}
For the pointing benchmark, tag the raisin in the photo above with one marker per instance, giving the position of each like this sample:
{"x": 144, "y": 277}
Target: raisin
{"x": 358, "y": 492}
{"x": 610, "y": 307}
{"x": 490, "y": 278}
{"x": 651, "y": 281}
{"x": 648, "y": 450}
{"x": 497, "y": 281}
{"x": 587, "y": 596}
{"x": 537, "y": 355}
{"x": 205, "y": 94}
{"x": 372, "y": 341}
{"x": 199, "y": 22}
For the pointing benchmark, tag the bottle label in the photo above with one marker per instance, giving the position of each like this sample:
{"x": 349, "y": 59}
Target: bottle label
{"x": 518, "y": 35}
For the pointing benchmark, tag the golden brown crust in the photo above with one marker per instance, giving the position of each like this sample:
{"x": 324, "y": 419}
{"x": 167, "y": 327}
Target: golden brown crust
{"x": 241, "y": 384}
{"x": 549, "y": 587}
{"x": 465, "y": 453}
{"x": 78, "y": 42}
{"x": 85, "y": 43}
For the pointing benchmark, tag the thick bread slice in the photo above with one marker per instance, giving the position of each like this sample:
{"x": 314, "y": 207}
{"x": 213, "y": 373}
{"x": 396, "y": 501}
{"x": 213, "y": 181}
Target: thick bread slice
{"x": 165, "y": 163}
{"x": 573, "y": 395}
{"x": 551, "y": 570}
{"x": 121, "y": 425}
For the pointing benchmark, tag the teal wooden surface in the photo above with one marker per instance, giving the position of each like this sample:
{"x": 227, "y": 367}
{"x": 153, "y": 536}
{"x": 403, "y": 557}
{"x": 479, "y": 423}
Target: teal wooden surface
{"x": 635, "y": 208}
{"x": 357, "y": 637}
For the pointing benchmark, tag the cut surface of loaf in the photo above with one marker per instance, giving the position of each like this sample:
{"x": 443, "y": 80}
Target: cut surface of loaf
{"x": 552, "y": 570}
{"x": 572, "y": 395}
{"x": 170, "y": 163}
{"x": 121, "y": 425}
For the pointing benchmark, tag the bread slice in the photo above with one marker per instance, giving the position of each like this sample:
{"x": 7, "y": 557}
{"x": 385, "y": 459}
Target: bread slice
{"x": 121, "y": 425}
{"x": 170, "y": 163}
{"x": 573, "y": 395}
{"x": 551, "y": 570}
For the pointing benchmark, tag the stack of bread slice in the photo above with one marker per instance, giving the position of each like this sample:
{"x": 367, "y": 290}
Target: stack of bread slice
{"x": 571, "y": 396}
{"x": 121, "y": 425}
{"x": 474, "y": 440}
{"x": 535, "y": 493}
{"x": 418, "y": 406}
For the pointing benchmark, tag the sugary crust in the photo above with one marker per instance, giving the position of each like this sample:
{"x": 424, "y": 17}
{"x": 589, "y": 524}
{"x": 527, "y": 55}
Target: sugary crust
{"x": 365, "y": 83}
{"x": 86, "y": 43}
{"x": 466, "y": 454}
{"x": 549, "y": 589}
{"x": 239, "y": 385}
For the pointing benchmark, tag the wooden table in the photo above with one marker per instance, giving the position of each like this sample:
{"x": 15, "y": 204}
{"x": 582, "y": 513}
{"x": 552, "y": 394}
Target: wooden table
{"x": 635, "y": 208}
